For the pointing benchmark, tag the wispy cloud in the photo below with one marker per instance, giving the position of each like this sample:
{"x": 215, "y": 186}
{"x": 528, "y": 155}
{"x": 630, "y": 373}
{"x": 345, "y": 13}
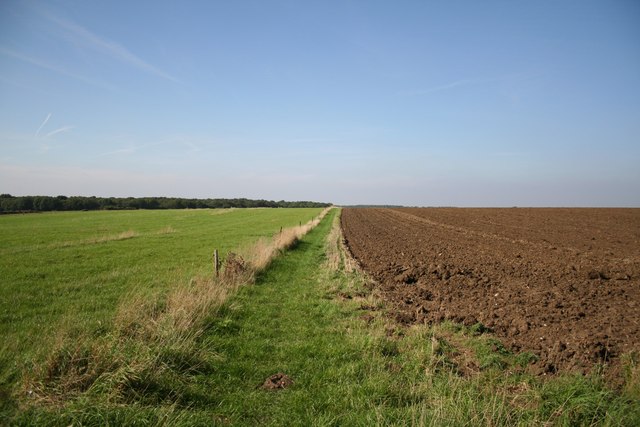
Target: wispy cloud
{"x": 510, "y": 153}
{"x": 43, "y": 124}
{"x": 512, "y": 79}
{"x": 450, "y": 85}
{"x": 62, "y": 129}
{"x": 47, "y": 66}
{"x": 83, "y": 36}
{"x": 447, "y": 86}
{"x": 128, "y": 150}
{"x": 59, "y": 130}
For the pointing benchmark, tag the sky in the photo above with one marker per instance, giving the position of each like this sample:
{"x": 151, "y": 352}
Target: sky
{"x": 419, "y": 103}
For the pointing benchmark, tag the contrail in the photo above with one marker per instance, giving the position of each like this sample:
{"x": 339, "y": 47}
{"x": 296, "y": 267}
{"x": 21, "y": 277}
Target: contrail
{"x": 62, "y": 129}
{"x": 43, "y": 123}
{"x": 116, "y": 51}
{"x": 54, "y": 68}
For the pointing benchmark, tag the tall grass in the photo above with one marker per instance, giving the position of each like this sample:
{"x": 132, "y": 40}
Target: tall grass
{"x": 152, "y": 348}
{"x": 260, "y": 254}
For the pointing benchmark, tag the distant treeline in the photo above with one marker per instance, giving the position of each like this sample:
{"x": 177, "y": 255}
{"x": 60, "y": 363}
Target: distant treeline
{"x": 9, "y": 203}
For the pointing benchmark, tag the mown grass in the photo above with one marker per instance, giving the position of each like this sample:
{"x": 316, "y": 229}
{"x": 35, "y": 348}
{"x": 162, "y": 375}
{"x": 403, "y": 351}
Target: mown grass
{"x": 66, "y": 274}
{"x": 311, "y": 316}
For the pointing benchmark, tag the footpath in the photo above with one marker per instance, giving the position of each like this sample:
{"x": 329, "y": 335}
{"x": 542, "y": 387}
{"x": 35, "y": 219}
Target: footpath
{"x": 294, "y": 350}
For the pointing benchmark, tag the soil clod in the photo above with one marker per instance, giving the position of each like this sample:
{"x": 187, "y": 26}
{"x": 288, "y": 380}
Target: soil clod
{"x": 277, "y": 381}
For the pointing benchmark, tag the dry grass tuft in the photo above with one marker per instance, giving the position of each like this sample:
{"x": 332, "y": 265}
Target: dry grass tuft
{"x": 631, "y": 366}
{"x": 129, "y": 234}
{"x": 332, "y": 246}
{"x": 260, "y": 254}
{"x": 187, "y": 307}
{"x": 167, "y": 230}
{"x": 122, "y": 236}
{"x": 222, "y": 211}
{"x": 338, "y": 254}
{"x": 74, "y": 366}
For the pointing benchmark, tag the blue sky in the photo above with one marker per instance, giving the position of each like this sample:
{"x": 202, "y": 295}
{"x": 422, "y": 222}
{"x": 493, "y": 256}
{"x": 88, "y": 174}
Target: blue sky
{"x": 464, "y": 103}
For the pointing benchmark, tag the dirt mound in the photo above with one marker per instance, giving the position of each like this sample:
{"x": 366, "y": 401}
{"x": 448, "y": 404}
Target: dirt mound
{"x": 277, "y": 382}
{"x": 563, "y": 284}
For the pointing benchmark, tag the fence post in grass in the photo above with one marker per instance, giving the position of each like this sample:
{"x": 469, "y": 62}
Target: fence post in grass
{"x": 216, "y": 262}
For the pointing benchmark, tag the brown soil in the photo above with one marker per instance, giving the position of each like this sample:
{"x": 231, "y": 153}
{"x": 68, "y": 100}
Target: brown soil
{"x": 277, "y": 382}
{"x": 563, "y": 284}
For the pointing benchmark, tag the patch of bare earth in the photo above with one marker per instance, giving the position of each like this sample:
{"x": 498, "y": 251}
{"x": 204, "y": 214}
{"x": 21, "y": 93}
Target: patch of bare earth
{"x": 563, "y": 284}
{"x": 277, "y": 381}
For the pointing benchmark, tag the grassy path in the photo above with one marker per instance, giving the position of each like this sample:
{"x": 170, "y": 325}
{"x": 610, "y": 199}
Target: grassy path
{"x": 289, "y": 323}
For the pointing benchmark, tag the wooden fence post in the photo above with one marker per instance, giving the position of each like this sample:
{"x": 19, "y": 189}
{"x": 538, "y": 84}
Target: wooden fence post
{"x": 216, "y": 262}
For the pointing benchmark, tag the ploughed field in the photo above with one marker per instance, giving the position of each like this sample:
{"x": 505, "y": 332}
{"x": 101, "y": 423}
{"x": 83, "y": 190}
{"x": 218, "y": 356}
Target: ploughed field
{"x": 563, "y": 284}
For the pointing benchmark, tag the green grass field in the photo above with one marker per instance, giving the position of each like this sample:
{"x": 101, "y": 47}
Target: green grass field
{"x": 310, "y": 316}
{"x": 74, "y": 268}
